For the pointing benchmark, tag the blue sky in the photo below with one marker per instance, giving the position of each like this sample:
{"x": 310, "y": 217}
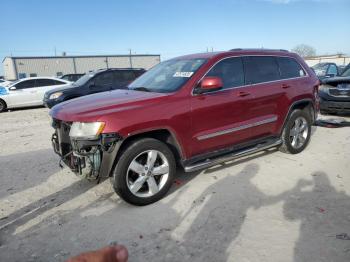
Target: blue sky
{"x": 170, "y": 28}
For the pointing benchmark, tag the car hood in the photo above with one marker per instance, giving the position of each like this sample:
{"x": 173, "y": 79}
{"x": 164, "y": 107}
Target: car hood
{"x": 93, "y": 107}
{"x": 336, "y": 80}
{"x": 61, "y": 88}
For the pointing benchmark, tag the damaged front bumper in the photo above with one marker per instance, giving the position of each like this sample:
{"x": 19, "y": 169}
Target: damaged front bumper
{"x": 88, "y": 158}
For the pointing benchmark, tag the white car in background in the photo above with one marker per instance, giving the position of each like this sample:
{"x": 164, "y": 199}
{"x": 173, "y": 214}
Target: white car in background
{"x": 5, "y": 83}
{"x": 28, "y": 91}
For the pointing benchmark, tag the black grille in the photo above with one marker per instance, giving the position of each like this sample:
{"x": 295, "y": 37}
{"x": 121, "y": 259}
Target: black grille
{"x": 62, "y": 133}
{"x": 339, "y": 92}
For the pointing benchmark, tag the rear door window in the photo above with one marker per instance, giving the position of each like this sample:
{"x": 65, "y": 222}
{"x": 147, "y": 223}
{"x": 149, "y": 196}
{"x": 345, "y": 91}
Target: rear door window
{"x": 230, "y": 71}
{"x": 260, "y": 69}
{"x": 44, "y": 82}
{"x": 57, "y": 82}
{"x": 104, "y": 79}
{"x": 127, "y": 76}
{"x": 123, "y": 76}
{"x": 25, "y": 84}
{"x": 290, "y": 68}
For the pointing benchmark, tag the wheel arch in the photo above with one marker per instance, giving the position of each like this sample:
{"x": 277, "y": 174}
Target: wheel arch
{"x": 4, "y": 103}
{"x": 303, "y": 104}
{"x": 164, "y": 135}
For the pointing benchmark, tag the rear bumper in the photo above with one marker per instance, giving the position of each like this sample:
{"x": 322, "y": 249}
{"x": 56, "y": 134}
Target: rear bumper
{"x": 91, "y": 159}
{"x": 334, "y": 106}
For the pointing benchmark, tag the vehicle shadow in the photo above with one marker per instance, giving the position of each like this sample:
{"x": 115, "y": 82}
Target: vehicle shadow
{"x": 222, "y": 209}
{"x": 324, "y": 217}
{"x": 204, "y": 231}
{"x": 32, "y": 175}
{"x": 9, "y": 110}
{"x": 24, "y": 170}
{"x": 183, "y": 178}
{"x": 11, "y": 222}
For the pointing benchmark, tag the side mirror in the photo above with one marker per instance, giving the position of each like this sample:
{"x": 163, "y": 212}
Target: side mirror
{"x": 92, "y": 84}
{"x": 12, "y": 88}
{"x": 210, "y": 84}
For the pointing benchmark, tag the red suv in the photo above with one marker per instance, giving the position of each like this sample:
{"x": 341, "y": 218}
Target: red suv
{"x": 194, "y": 111}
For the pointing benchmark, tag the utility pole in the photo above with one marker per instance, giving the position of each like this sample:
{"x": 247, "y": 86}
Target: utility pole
{"x": 130, "y": 58}
{"x": 55, "y": 51}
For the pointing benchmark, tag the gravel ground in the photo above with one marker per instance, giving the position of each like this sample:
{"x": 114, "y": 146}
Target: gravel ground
{"x": 267, "y": 207}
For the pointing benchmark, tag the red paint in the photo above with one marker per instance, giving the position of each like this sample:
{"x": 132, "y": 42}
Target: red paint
{"x": 188, "y": 116}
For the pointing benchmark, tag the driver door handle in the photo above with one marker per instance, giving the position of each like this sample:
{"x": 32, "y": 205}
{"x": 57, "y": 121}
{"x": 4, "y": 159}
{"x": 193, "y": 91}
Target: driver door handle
{"x": 243, "y": 94}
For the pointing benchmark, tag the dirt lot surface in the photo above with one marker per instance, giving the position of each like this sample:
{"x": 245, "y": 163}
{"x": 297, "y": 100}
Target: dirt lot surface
{"x": 267, "y": 207}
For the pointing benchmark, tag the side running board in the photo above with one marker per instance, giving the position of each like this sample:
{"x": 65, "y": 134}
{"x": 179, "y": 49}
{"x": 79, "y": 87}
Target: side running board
{"x": 232, "y": 155}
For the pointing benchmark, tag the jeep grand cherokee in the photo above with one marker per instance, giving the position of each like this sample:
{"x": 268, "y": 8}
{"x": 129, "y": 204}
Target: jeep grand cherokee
{"x": 195, "y": 111}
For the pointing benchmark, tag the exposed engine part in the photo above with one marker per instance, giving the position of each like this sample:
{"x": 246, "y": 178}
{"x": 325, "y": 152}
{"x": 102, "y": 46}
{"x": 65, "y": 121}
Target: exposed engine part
{"x": 88, "y": 164}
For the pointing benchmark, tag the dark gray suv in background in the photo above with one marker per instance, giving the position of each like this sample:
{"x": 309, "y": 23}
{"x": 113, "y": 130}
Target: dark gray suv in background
{"x": 93, "y": 82}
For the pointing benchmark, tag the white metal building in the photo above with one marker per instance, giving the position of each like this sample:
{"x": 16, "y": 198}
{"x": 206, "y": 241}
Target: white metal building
{"x": 20, "y": 67}
{"x": 337, "y": 59}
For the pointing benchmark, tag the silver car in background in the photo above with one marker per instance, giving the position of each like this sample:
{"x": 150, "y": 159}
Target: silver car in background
{"x": 28, "y": 91}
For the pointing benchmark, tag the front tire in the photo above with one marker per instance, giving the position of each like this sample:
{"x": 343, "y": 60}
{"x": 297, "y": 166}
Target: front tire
{"x": 296, "y": 133}
{"x": 144, "y": 172}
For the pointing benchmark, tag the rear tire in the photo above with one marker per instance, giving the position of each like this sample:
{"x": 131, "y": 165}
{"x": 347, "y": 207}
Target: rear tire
{"x": 3, "y": 105}
{"x": 296, "y": 133}
{"x": 144, "y": 172}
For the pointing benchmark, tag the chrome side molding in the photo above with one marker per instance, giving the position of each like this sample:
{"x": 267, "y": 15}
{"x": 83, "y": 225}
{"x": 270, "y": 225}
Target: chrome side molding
{"x": 235, "y": 129}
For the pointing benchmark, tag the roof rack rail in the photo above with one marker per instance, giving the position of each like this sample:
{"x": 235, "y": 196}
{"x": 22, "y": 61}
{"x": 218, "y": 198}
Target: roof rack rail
{"x": 252, "y": 49}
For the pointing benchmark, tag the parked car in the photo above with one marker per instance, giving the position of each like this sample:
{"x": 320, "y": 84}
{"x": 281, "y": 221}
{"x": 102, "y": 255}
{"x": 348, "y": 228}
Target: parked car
{"x": 195, "y": 111}
{"x": 28, "y": 91}
{"x": 5, "y": 83}
{"x": 71, "y": 77}
{"x": 334, "y": 94}
{"x": 93, "y": 82}
{"x": 326, "y": 70}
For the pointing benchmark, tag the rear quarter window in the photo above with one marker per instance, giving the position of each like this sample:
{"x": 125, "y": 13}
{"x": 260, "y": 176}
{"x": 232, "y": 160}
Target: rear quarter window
{"x": 260, "y": 69}
{"x": 290, "y": 68}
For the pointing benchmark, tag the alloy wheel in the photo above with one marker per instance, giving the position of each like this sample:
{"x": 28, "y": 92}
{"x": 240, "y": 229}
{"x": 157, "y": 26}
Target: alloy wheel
{"x": 147, "y": 173}
{"x": 299, "y": 132}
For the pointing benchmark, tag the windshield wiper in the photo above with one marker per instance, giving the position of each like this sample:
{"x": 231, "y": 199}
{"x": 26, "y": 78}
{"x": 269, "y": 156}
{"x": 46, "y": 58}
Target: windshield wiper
{"x": 141, "y": 88}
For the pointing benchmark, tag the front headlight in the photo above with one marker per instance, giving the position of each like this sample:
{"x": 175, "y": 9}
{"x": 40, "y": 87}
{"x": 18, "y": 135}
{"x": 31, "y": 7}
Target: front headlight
{"x": 55, "y": 95}
{"x": 324, "y": 88}
{"x": 86, "y": 130}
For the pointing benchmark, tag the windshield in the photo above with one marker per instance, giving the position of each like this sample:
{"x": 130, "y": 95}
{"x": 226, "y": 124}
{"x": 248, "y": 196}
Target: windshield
{"x": 84, "y": 79}
{"x": 346, "y": 72}
{"x": 167, "y": 76}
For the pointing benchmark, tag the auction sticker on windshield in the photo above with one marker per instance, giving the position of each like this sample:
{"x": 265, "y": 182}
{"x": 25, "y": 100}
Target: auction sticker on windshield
{"x": 183, "y": 74}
